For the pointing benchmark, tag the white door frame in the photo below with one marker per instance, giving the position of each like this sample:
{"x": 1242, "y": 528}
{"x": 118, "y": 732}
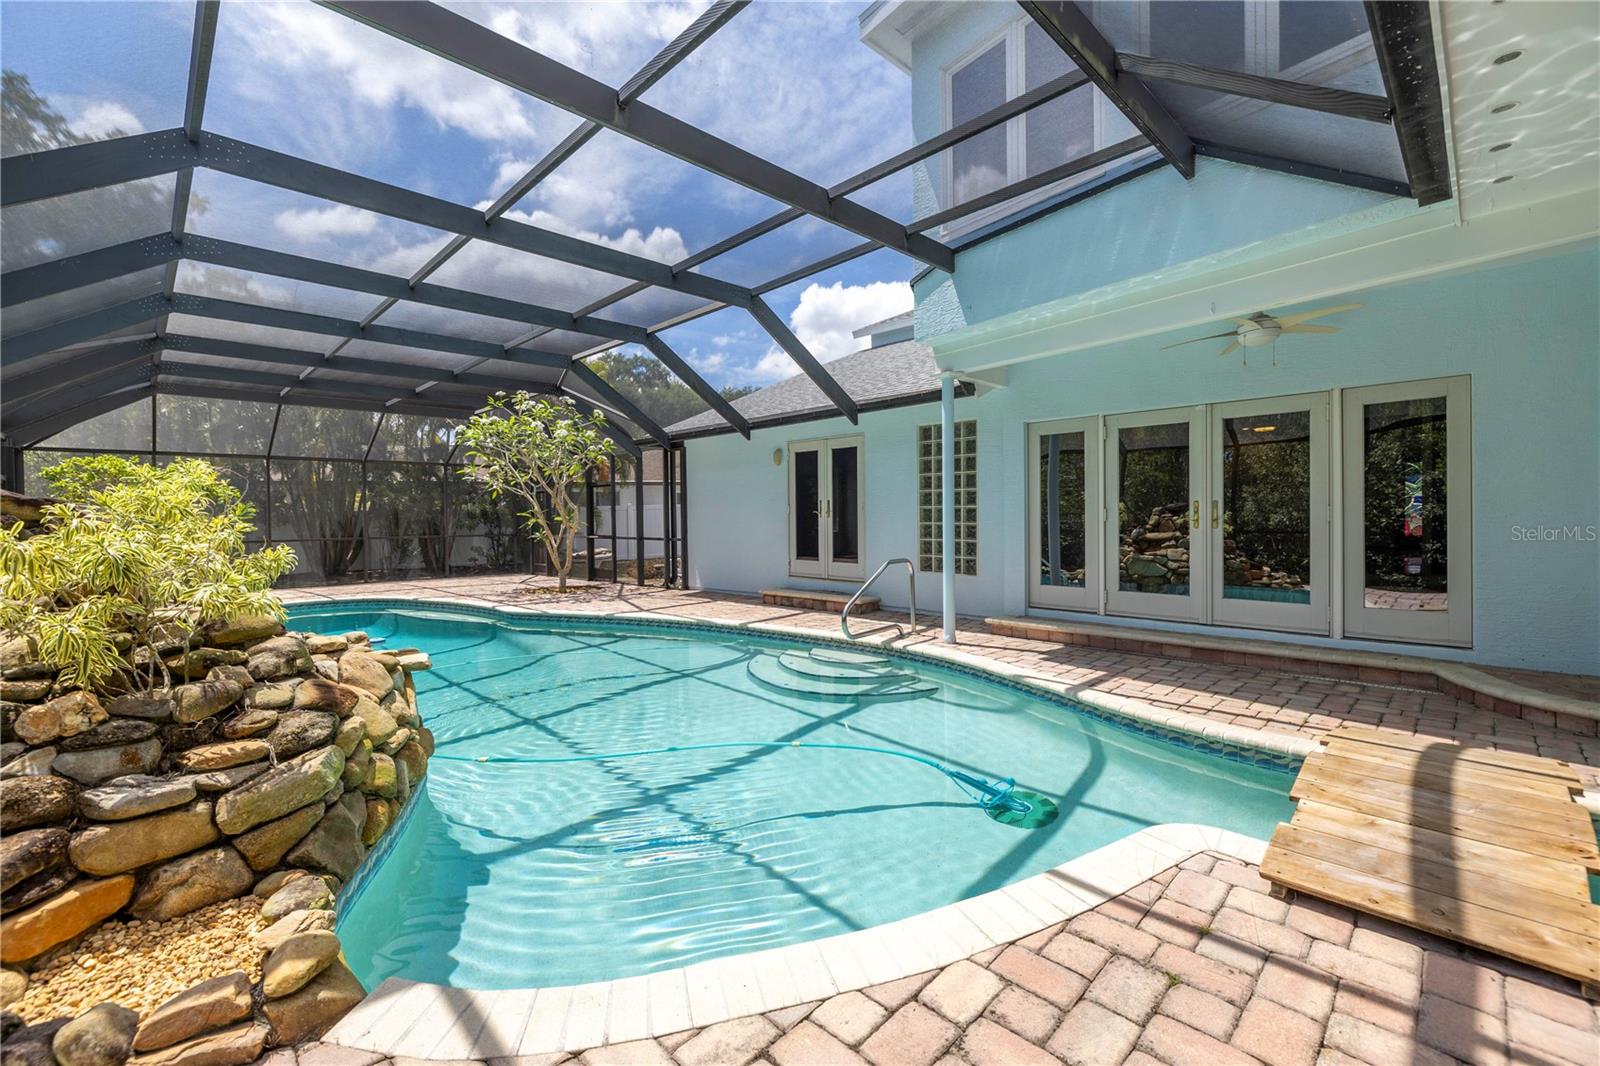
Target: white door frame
{"x": 1194, "y": 607}
{"x": 825, "y": 566}
{"x": 1067, "y": 597}
{"x": 1305, "y": 618}
{"x": 1453, "y": 625}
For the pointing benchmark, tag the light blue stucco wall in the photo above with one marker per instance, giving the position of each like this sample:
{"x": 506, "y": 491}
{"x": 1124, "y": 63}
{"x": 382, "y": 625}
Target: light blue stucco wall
{"x": 1526, "y": 333}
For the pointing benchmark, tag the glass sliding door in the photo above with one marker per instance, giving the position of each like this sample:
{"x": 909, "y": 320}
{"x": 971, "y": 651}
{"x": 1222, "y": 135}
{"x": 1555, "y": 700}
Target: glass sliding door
{"x": 825, "y": 508}
{"x": 1267, "y": 521}
{"x": 1407, "y": 513}
{"x": 1064, "y": 512}
{"x": 1154, "y": 485}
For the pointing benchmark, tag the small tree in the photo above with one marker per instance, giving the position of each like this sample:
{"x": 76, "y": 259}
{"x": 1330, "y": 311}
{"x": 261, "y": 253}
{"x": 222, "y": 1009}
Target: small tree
{"x": 536, "y": 450}
{"x": 134, "y": 554}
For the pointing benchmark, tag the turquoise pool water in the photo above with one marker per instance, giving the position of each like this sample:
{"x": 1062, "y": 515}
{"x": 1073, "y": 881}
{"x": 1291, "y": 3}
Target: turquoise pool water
{"x": 511, "y": 874}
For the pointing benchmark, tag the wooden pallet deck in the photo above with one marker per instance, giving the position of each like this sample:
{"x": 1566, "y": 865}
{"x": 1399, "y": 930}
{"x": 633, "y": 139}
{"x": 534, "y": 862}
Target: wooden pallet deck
{"x": 1484, "y": 847}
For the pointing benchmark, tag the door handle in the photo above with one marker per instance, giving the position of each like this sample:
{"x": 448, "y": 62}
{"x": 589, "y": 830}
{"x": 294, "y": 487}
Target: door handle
{"x": 1195, "y": 520}
{"x": 1214, "y": 516}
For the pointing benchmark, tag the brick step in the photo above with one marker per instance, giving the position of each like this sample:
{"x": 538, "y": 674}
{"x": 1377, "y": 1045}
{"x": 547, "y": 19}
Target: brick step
{"x": 818, "y": 600}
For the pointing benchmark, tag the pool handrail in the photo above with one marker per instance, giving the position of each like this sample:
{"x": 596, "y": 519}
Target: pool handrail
{"x": 911, "y": 584}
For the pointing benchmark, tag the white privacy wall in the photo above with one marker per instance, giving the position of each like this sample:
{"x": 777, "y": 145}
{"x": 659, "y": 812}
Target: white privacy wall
{"x": 1528, "y": 334}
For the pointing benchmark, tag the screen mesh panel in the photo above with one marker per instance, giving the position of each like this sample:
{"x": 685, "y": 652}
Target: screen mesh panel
{"x": 43, "y": 230}
{"x": 265, "y": 290}
{"x": 126, "y": 428}
{"x": 317, "y": 431}
{"x": 200, "y": 424}
{"x": 48, "y": 310}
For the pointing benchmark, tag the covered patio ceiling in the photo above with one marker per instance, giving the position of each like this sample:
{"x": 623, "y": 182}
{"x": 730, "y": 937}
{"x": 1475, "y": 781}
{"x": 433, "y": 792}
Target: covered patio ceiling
{"x": 129, "y": 268}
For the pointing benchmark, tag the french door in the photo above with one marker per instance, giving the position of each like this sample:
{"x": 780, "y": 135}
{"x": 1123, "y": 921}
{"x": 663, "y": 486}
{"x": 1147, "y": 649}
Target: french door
{"x": 1154, "y": 482}
{"x": 1064, "y": 531}
{"x": 1268, "y": 516}
{"x": 825, "y": 508}
{"x": 1216, "y": 513}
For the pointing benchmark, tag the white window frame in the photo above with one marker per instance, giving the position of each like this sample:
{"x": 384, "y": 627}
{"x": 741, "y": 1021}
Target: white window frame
{"x": 1452, "y": 626}
{"x": 1016, "y": 152}
{"x": 1067, "y": 597}
{"x": 1261, "y": 56}
{"x": 825, "y": 566}
{"x": 1196, "y": 606}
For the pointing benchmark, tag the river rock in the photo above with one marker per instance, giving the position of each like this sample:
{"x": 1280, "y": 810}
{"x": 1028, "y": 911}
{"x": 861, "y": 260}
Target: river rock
{"x": 13, "y": 986}
{"x": 154, "y": 706}
{"x": 399, "y": 739}
{"x": 30, "y": 1045}
{"x": 320, "y": 694}
{"x": 27, "y": 892}
{"x": 402, "y": 783}
{"x": 263, "y": 846}
{"x": 405, "y": 714}
{"x": 231, "y": 778}
{"x": 26, "y": 691}
{"x": 380, "y": 723}
{"x": 30, "y": 852}
{"x": 271, "y": 697}
{"x": 201, "y": 661}
{"x": 115, "y": 847}
{"x": 26, "y": 801}
{"x": 334, "y": 846}
{"x": 351, "y": 732}
{"x": 202, "y": 699}
{"x": 237, "y": 674}
{"x": 293, "y": 963}
{"x": 250, "y": 722}
{"x": 64, "y": 716}
{"x": 175, "y": 888}
{"x": 293, "y": 924}
{"x": 221, "y": 756}
{"x": 278, "y": 657}
{"x": 275, "y": 793}
{"x": 312, "y": 1011}
{"x": 355, "y": 767}
{"x": 326, "y": 666}
{"x": 268, "y": 886}
{"x": 325, "y": 644}
{"x": 109, "y": 734}
{"x": 241, "y": 630}
{"x": 380, "y": 815}
{"x": 355, "y": 805}
{"x": 134, "y": 795}
{"x": 102, "y": 764}
{"x": 206, "y": 1006}
{"x": 100, "y": 1036}
{"x": 364, "y": 671}
{"x": 30, "y": 764}
{"x": 19, "y": 658}
{"x": 241, "y": 1044}
{"x": 300, "y": 731}
{"x": 80, "y": 906}
{"x": 301, "y": 894}
{"x": 414, "y": 759}
{"x": 380, "y": 779}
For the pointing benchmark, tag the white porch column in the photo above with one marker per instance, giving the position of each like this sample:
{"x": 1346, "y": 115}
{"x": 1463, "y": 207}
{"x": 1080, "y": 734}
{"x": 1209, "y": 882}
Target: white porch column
{"x": 947, "y": 490}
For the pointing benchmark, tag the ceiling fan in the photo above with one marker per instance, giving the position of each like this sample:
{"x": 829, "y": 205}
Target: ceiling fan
{"x": 1262, "y": 329}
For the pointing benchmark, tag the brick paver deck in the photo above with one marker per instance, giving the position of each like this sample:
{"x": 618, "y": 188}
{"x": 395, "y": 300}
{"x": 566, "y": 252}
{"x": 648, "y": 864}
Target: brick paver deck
{"x": 1197, "y": 965}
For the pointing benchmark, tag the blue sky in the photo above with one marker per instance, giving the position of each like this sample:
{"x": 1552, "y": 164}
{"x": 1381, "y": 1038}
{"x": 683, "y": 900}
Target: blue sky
{"x": 790, "y": 81}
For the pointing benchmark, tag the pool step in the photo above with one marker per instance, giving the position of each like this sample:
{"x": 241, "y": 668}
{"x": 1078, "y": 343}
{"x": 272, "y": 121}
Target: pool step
{"x": 802, "y": 673}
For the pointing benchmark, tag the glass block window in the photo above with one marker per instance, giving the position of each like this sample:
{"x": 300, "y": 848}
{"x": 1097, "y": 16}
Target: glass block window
{"x": 930, "y": 542}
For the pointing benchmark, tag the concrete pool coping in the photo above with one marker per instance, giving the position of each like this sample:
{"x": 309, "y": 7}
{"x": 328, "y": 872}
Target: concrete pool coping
{"x": 420, "y": 1020}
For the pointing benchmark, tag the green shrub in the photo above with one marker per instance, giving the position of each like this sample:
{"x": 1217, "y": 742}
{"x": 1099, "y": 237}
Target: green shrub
{"x": 132, "y": 552}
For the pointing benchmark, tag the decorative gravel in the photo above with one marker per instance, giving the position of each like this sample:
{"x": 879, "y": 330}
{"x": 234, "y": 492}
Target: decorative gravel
{"x": 143, "y": 964}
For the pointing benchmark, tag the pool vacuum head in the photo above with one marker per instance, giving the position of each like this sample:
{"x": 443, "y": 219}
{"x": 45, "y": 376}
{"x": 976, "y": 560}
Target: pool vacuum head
{"x": 1007, "y": 804}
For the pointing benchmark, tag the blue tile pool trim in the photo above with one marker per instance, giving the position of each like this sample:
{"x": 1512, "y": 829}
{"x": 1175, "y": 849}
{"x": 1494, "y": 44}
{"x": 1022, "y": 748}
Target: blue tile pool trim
{"x": 1240, "y": 753}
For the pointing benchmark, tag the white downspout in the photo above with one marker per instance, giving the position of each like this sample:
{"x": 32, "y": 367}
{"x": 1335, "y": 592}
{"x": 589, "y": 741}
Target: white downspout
{"x": 947, "y": 489}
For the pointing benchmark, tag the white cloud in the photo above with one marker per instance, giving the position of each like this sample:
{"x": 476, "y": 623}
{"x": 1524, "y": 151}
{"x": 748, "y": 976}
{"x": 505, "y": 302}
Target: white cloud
{"x": 316, "y": 224}
{"x": 827, "y": 315}
{"x": 604, "y": 40}
{"x": 103, "y": 118}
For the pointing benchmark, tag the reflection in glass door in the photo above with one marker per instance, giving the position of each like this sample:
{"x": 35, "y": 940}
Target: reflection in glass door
{"x": 825, "y": 520}
{"x": 1407, "y": 538}
{"x": 1153, "y": 492}
{"x": 1268, "y": 518}
{"x": 1064, "y": 493}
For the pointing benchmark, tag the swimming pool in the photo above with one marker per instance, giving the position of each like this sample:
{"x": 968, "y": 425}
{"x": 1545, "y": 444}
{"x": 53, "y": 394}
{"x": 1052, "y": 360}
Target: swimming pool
{"x": 509, "y": 873}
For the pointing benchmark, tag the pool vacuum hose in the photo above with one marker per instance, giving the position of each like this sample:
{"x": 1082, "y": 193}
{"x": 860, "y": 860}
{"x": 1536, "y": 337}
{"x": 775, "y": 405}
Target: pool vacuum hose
{"x": 999, "y": 799}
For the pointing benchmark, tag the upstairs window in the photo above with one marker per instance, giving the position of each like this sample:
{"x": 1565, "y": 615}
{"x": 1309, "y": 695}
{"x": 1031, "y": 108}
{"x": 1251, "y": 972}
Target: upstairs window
{"x": 1018, "y": 60}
